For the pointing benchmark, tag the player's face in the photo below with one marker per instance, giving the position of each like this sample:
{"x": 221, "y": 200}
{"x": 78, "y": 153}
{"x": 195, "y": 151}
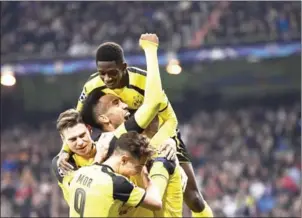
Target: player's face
{"x": 111, "y": 73}
{"x": 78, "y": 139}
{"x": 116, "y": 111}
{"x": 131, "y": 166}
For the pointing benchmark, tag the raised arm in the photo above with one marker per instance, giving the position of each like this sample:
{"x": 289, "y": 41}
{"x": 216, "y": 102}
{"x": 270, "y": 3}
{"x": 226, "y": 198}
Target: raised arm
{"x": 153, "y": 91}
{"x": 169, "y": 120}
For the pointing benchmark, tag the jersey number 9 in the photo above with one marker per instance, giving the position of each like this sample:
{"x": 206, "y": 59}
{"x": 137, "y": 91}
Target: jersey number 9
{"x": 79, "y": 201}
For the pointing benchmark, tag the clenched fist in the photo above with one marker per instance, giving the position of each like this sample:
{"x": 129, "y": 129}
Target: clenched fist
{"x": 148, "y": 40}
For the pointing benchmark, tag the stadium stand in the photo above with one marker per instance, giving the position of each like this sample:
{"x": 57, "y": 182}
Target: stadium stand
{"x": 76, "y": 28}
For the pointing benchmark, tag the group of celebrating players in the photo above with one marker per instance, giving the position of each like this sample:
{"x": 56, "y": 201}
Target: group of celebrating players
{"x": 138, "y": 166}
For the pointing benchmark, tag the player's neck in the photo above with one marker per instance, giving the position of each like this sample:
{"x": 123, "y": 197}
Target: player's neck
{"x": 113, "y": 162}
{"x": 91, "y": 153}
{"x": 109, "y": 128}
{"x": 125, "y": 80}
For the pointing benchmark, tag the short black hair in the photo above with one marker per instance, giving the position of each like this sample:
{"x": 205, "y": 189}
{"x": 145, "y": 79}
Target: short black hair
{"x": 134, "y": 143}
{"x": 110, "y": 51}
{"x": 88, "y": 114}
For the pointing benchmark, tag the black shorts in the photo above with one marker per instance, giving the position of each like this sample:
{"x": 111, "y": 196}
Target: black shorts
{"x": 182, "y": 152}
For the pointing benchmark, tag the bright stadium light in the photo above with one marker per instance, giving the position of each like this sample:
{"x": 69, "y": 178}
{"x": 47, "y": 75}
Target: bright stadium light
{"x": 7, "y": 76}
{"x": 173, "y": 67}
{"x": 8, "y": 80}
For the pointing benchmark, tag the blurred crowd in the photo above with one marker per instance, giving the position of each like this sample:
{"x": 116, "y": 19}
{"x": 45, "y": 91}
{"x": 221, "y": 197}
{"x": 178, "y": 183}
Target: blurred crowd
{"x": 77, "y": 28}
{"x": 26, "y": 181}
{"x": 247, "y": 163}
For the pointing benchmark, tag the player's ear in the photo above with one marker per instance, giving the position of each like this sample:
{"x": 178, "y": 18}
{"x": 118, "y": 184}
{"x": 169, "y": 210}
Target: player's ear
{"x": 62, "y": 137}
{"x": 124, "y": 66}
{"x": 89, "y": 128}
{"x": 125, "y": 159}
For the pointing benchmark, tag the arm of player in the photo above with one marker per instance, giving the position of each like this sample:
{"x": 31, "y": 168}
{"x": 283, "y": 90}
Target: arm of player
{"x": 134, "y": 196}
{"x": 160, "y": 173}
{"x": 149, "y": 109}
{"x": 65, "y": 186}
{"x": 153, "y": 199}
{"x": 153, "y": 83}
{"x": 161, "y": 182}
{"x": 63, "y": 180}
{"x": 168, "y": 128}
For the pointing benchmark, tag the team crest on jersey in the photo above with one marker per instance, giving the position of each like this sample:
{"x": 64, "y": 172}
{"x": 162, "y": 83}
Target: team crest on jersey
{"x": 137, "y": 101}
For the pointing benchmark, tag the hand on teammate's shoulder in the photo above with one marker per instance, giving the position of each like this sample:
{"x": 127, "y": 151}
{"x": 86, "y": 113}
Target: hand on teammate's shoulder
{"x": 168, "y": 149}
{"x": 102, "y": 146}
{"x": 63, "y": 165}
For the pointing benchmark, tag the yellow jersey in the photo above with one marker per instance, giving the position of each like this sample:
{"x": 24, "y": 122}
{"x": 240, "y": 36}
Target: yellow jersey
{"x": 63, "y": 181}
{"x": 133, "y": 95}
{"x": 166, "y": 175}
{"x": 143, "y": 116}
{"x": 136, "y": 211}
{"x": 97, "y": 191}
{"x": 170, "y": 188}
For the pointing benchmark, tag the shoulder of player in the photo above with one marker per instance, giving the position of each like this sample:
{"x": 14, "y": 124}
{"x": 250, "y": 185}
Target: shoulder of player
{"x": 136, "y": 71}
{"x": 117, "y": 179}
{"x": 94, "y": 81}
{"x": 57, "y": 171}
{"x": 137, "y": 78}
{"x": 89, "y": 171}
{"x": 121, "y": 184}
{"x": 167, "y": 164}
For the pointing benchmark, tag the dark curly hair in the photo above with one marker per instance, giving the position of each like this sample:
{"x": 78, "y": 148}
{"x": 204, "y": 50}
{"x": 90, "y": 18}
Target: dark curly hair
{"x": 110, "y": 51}
{"x": 88, "y": 113}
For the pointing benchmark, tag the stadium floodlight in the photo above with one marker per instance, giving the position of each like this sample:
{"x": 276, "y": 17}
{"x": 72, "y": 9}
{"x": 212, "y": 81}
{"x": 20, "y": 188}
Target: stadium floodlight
{"x": 7, "y": 76}
{"x": 173, "y": 67}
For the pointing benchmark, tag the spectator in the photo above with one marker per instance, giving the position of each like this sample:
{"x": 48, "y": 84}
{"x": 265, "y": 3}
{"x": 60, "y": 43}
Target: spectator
{"x": 76, "y": 28}
{"x": 247, "y": 163}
